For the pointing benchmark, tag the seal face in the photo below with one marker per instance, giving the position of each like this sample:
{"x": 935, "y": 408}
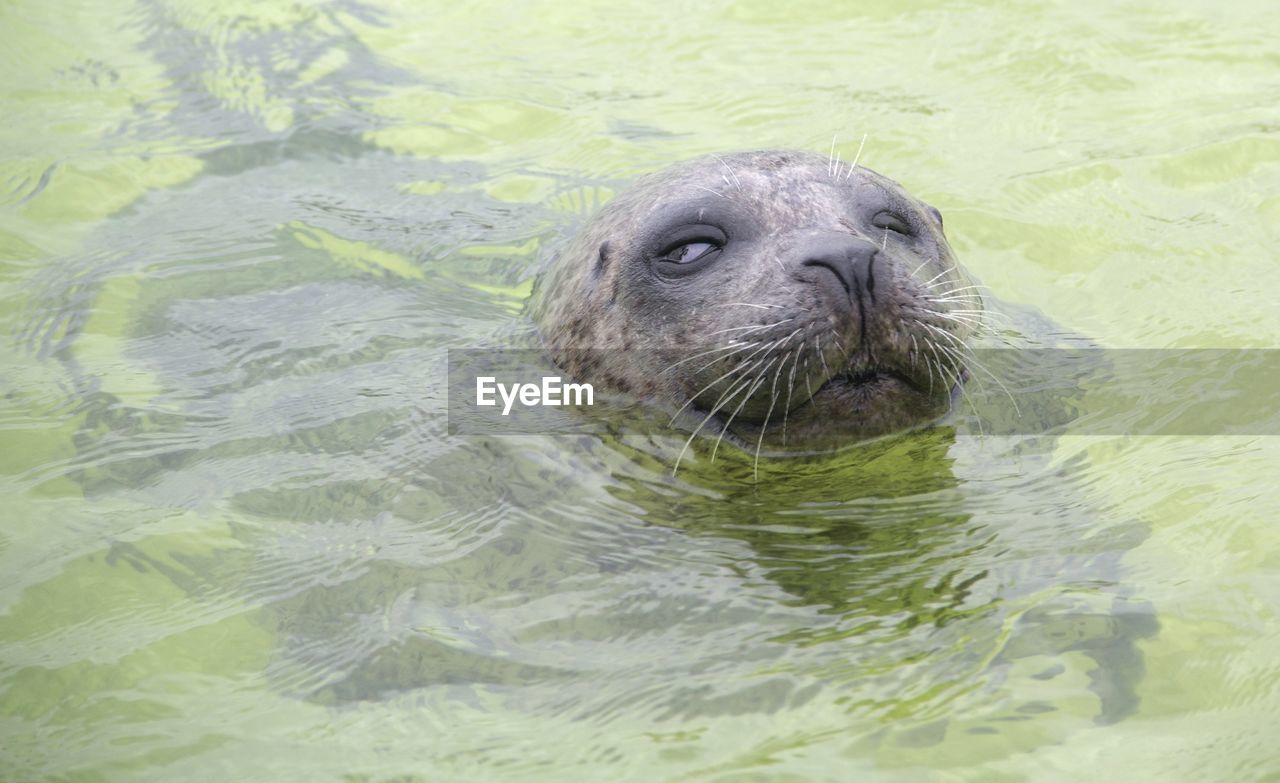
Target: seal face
{"x": 797, "y": 303}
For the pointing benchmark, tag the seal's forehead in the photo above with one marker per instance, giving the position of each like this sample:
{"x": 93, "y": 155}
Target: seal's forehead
{"x": 773, "y": 188}
{"x": 780, "y": 174}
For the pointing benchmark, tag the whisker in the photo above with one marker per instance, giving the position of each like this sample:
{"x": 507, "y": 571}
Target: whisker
{"x": 759, "y": 380}
{"x": 933, "y": 289}
{"x": 773, "y": 400}
{"x": 964, "y": 394}
{"x": 942, "y": 376}
{"x": 966, "y": 320}
{"x": 742, "y": 347}
{"x": 935, "y": 277}
{"x": 736, "y": 182}
{"x": 752, "y": 327}
{"x": 977, "y": 416}
{"x": 854, "y": 165}
{"x": 993, "y": 313}
{"x": 969, "y": 359}
{"x": 719, "y": 404}
{"x": 791, "y": 384}
{"x": 738, "y": 368}
{"x": 927, "y": 365}
{"x": 732, "y": 347}
{"x": 836, "y": 339}
{"x": 975, "y": 301}
{"x": 817, "y": 345}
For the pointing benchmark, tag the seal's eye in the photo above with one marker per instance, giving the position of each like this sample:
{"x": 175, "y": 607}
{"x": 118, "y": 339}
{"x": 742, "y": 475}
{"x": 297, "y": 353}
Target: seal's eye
{"x": 892, "y": 222}
{"x": 689, "y": 249}
{"x": 690, "y": 252}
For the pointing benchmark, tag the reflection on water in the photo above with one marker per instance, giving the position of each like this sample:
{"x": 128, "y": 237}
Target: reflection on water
{"x": 237, "y": 240}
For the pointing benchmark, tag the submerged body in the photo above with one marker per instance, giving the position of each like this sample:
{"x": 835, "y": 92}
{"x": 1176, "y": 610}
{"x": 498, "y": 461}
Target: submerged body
{"x": 789, "y": 300}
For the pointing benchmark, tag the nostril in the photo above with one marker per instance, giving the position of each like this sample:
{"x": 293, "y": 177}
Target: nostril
{"x": 842, "y": 271}
{"x": 852, "y": 268}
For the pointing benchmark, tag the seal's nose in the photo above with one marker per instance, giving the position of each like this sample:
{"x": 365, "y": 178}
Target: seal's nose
{"x": 850, "y": 259}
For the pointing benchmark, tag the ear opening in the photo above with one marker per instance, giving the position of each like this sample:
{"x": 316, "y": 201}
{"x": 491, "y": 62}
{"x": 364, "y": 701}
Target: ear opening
{"x": 601, "y": 262}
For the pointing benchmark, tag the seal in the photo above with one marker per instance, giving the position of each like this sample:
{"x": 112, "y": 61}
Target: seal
{"x": 781, "y": 298}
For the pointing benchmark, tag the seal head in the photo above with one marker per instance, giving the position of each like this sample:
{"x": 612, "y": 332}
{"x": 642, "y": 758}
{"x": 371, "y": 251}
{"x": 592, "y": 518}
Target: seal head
{"x": 791, "y": 301}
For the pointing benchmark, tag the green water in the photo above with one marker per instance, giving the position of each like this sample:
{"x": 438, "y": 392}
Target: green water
{"x": 236, "y": 240}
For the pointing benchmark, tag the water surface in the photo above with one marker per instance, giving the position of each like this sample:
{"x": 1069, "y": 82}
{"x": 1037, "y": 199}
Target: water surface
{"x": 237, "y": 239}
